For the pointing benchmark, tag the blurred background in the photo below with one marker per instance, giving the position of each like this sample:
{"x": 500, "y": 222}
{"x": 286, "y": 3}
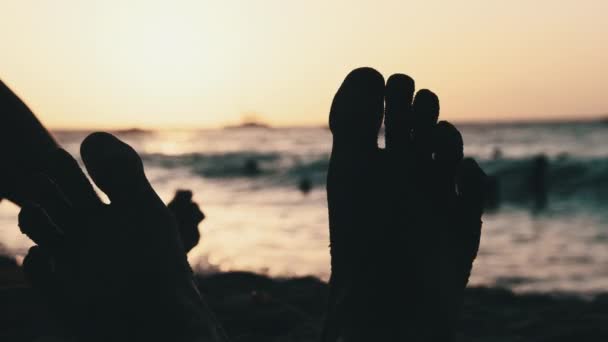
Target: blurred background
{"x": 230, "y": 99}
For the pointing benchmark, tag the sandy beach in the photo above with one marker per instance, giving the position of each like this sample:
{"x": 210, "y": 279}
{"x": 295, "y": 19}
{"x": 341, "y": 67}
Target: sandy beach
{"x": 255, "y": 307}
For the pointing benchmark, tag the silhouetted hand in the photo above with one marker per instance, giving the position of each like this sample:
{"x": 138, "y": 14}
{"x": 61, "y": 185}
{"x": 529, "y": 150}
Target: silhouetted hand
{"x": 188, "y": 216}
{"x": 405, "y": 221}
{"x": 118, "y": 271}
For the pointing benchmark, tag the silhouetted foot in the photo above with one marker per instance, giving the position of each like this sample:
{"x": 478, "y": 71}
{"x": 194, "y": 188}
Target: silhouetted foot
{"x": 23, "y": 141}
{"x": 188, "y": 216}
{"x": 405, "y": 221}
{"x": 115, "y": 272}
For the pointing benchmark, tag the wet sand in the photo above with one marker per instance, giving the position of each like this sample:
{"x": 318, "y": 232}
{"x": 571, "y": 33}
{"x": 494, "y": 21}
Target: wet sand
{"x": 255, "y": 307}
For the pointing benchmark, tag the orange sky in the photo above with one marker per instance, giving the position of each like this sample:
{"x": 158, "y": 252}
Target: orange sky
{"x": 120, "y": 63}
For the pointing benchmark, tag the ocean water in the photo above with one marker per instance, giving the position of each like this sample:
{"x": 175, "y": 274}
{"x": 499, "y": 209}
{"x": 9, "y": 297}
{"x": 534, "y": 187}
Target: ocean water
{"x": 263, "y": 223}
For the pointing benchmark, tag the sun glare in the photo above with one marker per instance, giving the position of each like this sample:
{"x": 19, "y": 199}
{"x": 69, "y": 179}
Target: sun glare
{"x": 159, "y": 50}
{"x": 183, "y": 63}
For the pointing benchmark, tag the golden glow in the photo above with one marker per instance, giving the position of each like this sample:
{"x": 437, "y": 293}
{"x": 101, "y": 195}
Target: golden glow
{"x": 120, "y": 63}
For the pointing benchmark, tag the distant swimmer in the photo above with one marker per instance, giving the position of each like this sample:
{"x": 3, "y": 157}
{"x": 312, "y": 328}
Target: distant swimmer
{"x": 497, "y": 153}
{"x": 251, "y": 168}
{"x": 305, "y": 185}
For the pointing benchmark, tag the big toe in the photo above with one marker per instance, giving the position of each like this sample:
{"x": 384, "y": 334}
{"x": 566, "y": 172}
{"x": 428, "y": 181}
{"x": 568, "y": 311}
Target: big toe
{"x": 357, "y": 109}
{"x": 354, "y": 170}
{"x": 113, "y": 165}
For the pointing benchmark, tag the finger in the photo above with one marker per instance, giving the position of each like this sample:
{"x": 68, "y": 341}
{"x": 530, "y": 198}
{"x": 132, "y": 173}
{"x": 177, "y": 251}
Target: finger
{"x": 64, "y": 170}
{"x": 398, "y": 115}
{"x": 115, "y": 167}
{"x": 357, "y": 109}
{"x": 35, "y": 223}
{"x": 42, "y": 191}
{"x": 426, "y": 113}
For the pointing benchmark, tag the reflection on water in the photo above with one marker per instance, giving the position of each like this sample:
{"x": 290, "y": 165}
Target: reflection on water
{"x": 266, "y": 224}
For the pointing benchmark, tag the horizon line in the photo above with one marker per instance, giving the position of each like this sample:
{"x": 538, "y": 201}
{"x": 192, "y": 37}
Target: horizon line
{"x": 497, "y": 121}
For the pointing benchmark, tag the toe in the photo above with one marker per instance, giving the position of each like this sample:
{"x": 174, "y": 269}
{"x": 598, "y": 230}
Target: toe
{"x": 118, "y": 171}
{"x": 448, "y": 147}
{"x": 426, "y": 113}
{"x": 197, "y": 215}
{"x": 188, "y": 216}
{"x": 447, "y": 154}
{"x": 114, "y": 166}
{"x": 34, "y": 222}
{"x": 183, "y": 195}
{"x": 357, "y": 109}
{"x": 353, "y": 174}
{"x": 471, "y": 182}
{"x": 398, "y": 115}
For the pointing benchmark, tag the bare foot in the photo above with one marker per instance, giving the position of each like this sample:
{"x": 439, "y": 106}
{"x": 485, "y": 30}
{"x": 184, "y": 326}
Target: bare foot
{"x": 115, "y": 272}
{"x": 25, "y": 143}
{"x": 405, "y": 221}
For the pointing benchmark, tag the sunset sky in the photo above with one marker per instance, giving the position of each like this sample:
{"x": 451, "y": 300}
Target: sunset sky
{"x": 190, "y": 64}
